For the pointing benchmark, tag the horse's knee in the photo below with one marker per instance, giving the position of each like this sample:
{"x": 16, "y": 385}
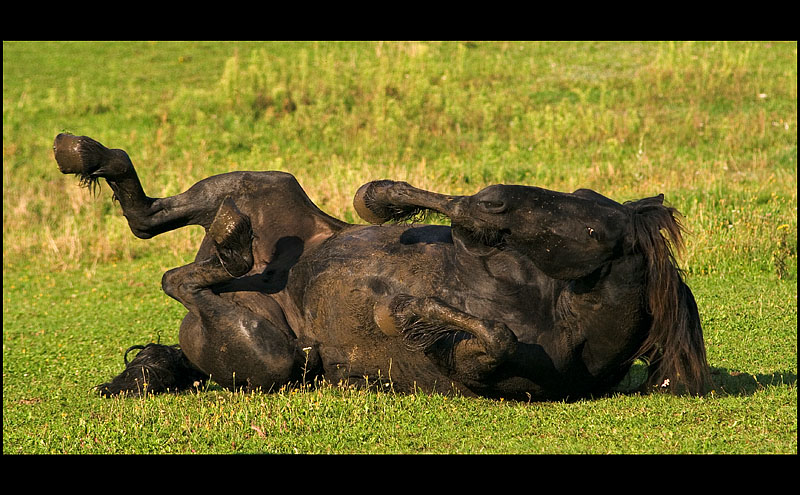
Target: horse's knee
{"x": 169, "y": 283}
{"x": 232, "y": 234}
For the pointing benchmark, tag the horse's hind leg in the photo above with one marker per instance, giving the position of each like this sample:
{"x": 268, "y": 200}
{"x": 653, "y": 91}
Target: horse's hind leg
{"x": 245, "y": 343}
{"x": 240, "y": 339}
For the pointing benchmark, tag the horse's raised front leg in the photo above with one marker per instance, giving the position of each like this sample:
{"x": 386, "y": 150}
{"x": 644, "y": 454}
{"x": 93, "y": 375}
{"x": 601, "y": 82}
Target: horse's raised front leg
{"x": 146, "y": 216}
{"x": 382, "y": 201}
{"x": 467, "y": 346}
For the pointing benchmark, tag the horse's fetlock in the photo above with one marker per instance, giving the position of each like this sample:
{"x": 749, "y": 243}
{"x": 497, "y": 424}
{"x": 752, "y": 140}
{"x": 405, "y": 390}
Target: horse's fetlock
{"x": 401, "y": 306}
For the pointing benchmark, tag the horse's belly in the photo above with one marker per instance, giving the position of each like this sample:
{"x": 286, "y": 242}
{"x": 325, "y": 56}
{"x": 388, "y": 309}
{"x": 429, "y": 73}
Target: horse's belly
{"x": 341, "y": 284}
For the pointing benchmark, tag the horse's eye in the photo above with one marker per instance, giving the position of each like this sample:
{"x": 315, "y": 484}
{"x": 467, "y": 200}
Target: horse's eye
{"x": 492, "y": 206}
{"x": 592, "y": 232}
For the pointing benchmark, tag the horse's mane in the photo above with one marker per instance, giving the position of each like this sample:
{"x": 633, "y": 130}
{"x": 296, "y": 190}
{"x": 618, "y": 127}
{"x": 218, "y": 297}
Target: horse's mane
{"x": 674, "y": 346}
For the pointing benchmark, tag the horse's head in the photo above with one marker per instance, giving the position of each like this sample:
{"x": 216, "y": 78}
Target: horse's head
{"x": 566, "y": 235}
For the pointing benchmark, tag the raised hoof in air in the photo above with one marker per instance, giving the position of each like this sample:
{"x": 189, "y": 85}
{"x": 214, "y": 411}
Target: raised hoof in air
{"x": 88, "y": 158}
{"x": 232, "y": 234}
{"x": 372, "y": 203}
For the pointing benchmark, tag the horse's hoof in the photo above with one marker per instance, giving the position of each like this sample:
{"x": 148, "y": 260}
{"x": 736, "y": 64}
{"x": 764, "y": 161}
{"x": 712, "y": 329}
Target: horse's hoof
{"x": 88, "y": 158}
{"x": 382, "y": 314}
{"x": 372, "y": 203}
{"x": 232, "y": 234}
{"x": 156, "y": 369}
{"x": 77, "y": 154}
{"x": 363, "y": 201}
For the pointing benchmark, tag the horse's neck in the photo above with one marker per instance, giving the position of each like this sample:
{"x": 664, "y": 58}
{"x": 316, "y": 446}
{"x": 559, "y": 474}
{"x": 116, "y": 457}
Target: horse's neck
{"x": 490, "y": 266}
{"x": 607, "y": 311}
{"x": 505, "y": 286}
{"x": 599, "y": 320}
{"x": 494, "y": 272}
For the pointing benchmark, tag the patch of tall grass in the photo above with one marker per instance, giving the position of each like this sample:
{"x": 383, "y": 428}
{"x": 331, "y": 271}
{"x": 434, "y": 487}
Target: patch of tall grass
{"x": 712, "y": 125}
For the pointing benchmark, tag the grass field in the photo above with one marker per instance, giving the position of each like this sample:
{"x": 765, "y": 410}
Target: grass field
{"x": 713, "y": 126}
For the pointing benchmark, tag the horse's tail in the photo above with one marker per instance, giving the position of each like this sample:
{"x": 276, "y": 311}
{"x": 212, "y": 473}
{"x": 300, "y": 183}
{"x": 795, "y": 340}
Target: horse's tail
{"x": 156, "y": 369}
{"x": 674, "y": 347}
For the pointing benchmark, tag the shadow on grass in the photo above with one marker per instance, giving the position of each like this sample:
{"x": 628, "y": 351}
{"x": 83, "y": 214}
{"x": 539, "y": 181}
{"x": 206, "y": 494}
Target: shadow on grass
{"x": 732, "y": 382}
{"x": 725, "y": 382}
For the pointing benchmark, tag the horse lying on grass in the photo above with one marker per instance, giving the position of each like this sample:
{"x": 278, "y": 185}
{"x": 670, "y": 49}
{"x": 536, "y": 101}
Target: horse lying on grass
{"x": 529, "y": 294}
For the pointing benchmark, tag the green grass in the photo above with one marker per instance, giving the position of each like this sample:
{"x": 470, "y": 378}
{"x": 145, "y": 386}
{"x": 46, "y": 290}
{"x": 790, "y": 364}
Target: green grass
{"x": 711, "y": 125}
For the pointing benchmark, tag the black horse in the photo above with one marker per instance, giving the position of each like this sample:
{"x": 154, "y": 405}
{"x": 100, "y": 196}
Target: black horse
{"x": 529, "y": 294}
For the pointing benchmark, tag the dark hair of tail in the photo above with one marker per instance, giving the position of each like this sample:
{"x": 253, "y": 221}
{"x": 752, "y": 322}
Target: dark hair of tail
{"x": 156, "y": 369}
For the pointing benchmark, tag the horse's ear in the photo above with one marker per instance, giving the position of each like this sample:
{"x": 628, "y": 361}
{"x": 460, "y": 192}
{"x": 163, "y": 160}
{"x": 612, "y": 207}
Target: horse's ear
{"x": 652, "y": 201}
{"x": 652, "y": 216}
{"x": 646, "y": 205}
{"x": 596, "y": 196}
